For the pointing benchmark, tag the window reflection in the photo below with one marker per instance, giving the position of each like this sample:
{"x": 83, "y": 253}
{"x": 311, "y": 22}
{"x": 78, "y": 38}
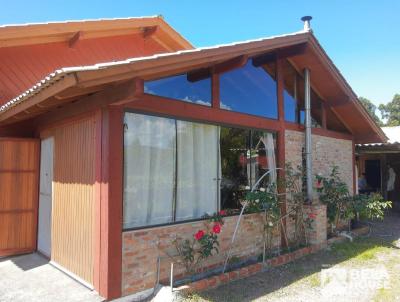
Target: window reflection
{"x": 290, "y": 93}
{"x": 179, "y": 87}
{"x": 250, "y": 90}
{"x": 246, "y": 155}
{"x": 235, "y": 153}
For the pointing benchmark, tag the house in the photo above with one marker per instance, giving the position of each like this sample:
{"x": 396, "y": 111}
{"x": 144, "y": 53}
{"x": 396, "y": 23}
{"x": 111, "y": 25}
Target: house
{"x": 380, "y": 164}
{"x": 117, "y": 135}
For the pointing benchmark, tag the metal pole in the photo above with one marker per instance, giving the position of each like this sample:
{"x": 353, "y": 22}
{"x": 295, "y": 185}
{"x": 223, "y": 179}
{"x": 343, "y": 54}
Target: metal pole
{"x": 171, "y": 277}
{"x": 308, "y": 136}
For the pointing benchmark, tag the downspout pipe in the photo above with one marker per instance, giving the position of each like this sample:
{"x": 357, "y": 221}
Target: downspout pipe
{"x": 308, "y": 136}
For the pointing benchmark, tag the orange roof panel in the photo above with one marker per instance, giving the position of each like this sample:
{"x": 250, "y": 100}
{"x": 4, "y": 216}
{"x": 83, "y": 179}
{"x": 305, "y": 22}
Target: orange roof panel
{"x": 29, "y": 52}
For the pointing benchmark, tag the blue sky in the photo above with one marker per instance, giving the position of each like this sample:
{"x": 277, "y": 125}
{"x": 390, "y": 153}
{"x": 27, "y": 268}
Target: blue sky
{"x": 361, "y": 36}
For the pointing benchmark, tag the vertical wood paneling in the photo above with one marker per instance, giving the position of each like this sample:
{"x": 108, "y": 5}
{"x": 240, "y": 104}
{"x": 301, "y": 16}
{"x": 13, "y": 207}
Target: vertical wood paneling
{"x": 19, "y": 168}
{"x": 74, "y": 197}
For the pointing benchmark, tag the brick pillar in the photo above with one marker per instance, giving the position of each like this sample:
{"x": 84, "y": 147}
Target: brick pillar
{"x": 317, "y": 234}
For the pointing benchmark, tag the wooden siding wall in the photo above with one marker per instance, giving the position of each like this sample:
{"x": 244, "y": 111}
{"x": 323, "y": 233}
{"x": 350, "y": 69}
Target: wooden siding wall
{"x": 19, "y": 169}
{"x": 74, "y": 197}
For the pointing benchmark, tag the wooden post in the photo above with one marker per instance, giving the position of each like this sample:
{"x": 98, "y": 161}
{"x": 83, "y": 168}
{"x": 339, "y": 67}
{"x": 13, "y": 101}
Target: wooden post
{"x": 215, "y": 90}
{"x": 111, "y": 203}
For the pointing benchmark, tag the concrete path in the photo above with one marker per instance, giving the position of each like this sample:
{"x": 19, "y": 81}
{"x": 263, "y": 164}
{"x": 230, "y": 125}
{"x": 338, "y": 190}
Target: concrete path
{"x": 31, "y": 278}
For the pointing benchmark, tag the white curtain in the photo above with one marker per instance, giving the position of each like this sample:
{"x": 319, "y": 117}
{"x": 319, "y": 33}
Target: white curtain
{"x": 197, "y": 168}
{"x": 268, "y": 141}
{"x": 149, "y": 170}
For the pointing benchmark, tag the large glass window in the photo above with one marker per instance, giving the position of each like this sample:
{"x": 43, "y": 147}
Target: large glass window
{"x": 290, "y": 93}
{"x": 149, "y": 170}
{"x": 246, "y": 155}
{"x": 177, "y": 170}
{"x": 170, "y": 170}
{"x": 250, "y": 90}
{"x": 181, "y": 87}
{"x": 198, "y": 160}
{"x": 294, "y": 98}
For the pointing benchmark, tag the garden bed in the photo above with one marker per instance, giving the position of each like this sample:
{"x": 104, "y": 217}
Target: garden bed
{"x": 361, "y": 231}
{"x": 246, "y": 271}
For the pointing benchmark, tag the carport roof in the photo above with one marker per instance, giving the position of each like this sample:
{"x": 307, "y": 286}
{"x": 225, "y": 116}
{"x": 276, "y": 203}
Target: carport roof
{"x": 77, "y": 81}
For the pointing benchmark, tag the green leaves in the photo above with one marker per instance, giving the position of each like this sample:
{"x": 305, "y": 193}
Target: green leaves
{"x": 203, "y": 244}
{"x": 335, "y": 194}
{"x": 371, "y": 206}
{"x": 340, "y": 205}
{"x": 391, "y": 111}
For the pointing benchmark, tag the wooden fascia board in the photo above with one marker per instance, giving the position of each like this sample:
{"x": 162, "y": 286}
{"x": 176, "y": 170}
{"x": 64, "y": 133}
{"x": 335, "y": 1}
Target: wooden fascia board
{"x": 21, "y": 35}
{"x": 334, "y": 71}
{"x": 64, "y": 31}
{"x": 86, "y": 79}
{"x": 122, "y": 91}
{"x": 62, "y": 84}
{"x": 169, "y": 64}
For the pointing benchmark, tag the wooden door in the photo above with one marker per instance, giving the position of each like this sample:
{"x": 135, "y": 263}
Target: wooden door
{"x": 19, "y": 174}
{"x": 72, "y": 235}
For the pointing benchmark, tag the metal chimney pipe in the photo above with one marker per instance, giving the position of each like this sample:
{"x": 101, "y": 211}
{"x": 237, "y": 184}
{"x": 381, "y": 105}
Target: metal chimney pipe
{"x": 308, "y": 137}
{"x": 306, "y": 20}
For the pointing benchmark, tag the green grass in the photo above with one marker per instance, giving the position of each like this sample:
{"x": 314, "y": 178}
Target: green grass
{"x": 361, "y": 250}
{"x": 314, "y": 280}
{"x": 383, "y": 295}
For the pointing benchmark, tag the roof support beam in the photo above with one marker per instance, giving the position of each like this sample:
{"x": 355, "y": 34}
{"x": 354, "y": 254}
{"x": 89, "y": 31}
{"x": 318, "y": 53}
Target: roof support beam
{"x": 149, "y": 31}
{"x": 231, "y": 64}
{"x": 198, "y": 75}
{"x": 226, "y": 66}
{"x": 75, "y": 39}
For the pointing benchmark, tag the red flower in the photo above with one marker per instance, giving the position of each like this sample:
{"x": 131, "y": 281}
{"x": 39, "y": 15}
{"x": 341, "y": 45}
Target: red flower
{"x": 200, "y": 234}
{"x": 312, "y": 216}
{"x": 222, "y": 212}
{"x": 216, "y": 228}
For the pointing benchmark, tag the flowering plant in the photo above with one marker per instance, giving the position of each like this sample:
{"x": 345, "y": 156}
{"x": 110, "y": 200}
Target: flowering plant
{"x": 202, "y": 245}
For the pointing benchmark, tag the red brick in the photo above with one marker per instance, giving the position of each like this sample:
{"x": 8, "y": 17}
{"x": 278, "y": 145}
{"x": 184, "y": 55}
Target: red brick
{"x": 212, "y": 282}
{"x": 243, "y": 272}
{"x": 223, "y": 278}
{"x": 233, "y": 275}
{"x": 199, "y": 285}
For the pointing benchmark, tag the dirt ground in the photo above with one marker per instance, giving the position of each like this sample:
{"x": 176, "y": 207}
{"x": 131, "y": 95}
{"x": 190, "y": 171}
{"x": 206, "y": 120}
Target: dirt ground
{"x": 364, "y": 270}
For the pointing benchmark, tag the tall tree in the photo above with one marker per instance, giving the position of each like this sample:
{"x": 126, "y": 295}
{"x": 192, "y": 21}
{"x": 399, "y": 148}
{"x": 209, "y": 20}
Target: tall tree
{"x": 371, "y": 108}
{"x": 391, "y": 111}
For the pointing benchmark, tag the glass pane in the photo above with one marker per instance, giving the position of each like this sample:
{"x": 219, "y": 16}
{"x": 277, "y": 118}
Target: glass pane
{"x": 149, "y": 170}
{"x": 263, "y": 158}
{"x": 198, "y": 161}
{"x": 316, "y": 112}
{"x": 235, "y": 166}
{"x": 290, "y": 92}
{"x": 250, "y": 90}
{"x": 180, "y": 88}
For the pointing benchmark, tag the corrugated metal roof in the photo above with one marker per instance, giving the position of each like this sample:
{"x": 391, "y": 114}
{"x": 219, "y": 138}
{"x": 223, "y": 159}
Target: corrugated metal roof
{"x": 23, "y": 66}
{"x": 79, "y": 21}
{"x": 393, "y": 135}
{"x": 59, "y": 73}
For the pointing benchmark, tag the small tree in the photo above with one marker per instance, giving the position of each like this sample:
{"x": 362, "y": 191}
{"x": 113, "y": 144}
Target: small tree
{"x": 335, "y": 194}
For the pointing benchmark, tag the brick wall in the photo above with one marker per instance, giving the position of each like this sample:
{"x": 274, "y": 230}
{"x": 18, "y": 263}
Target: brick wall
{"x": 327, "y": 152}
{"x": 141, "y": 249}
